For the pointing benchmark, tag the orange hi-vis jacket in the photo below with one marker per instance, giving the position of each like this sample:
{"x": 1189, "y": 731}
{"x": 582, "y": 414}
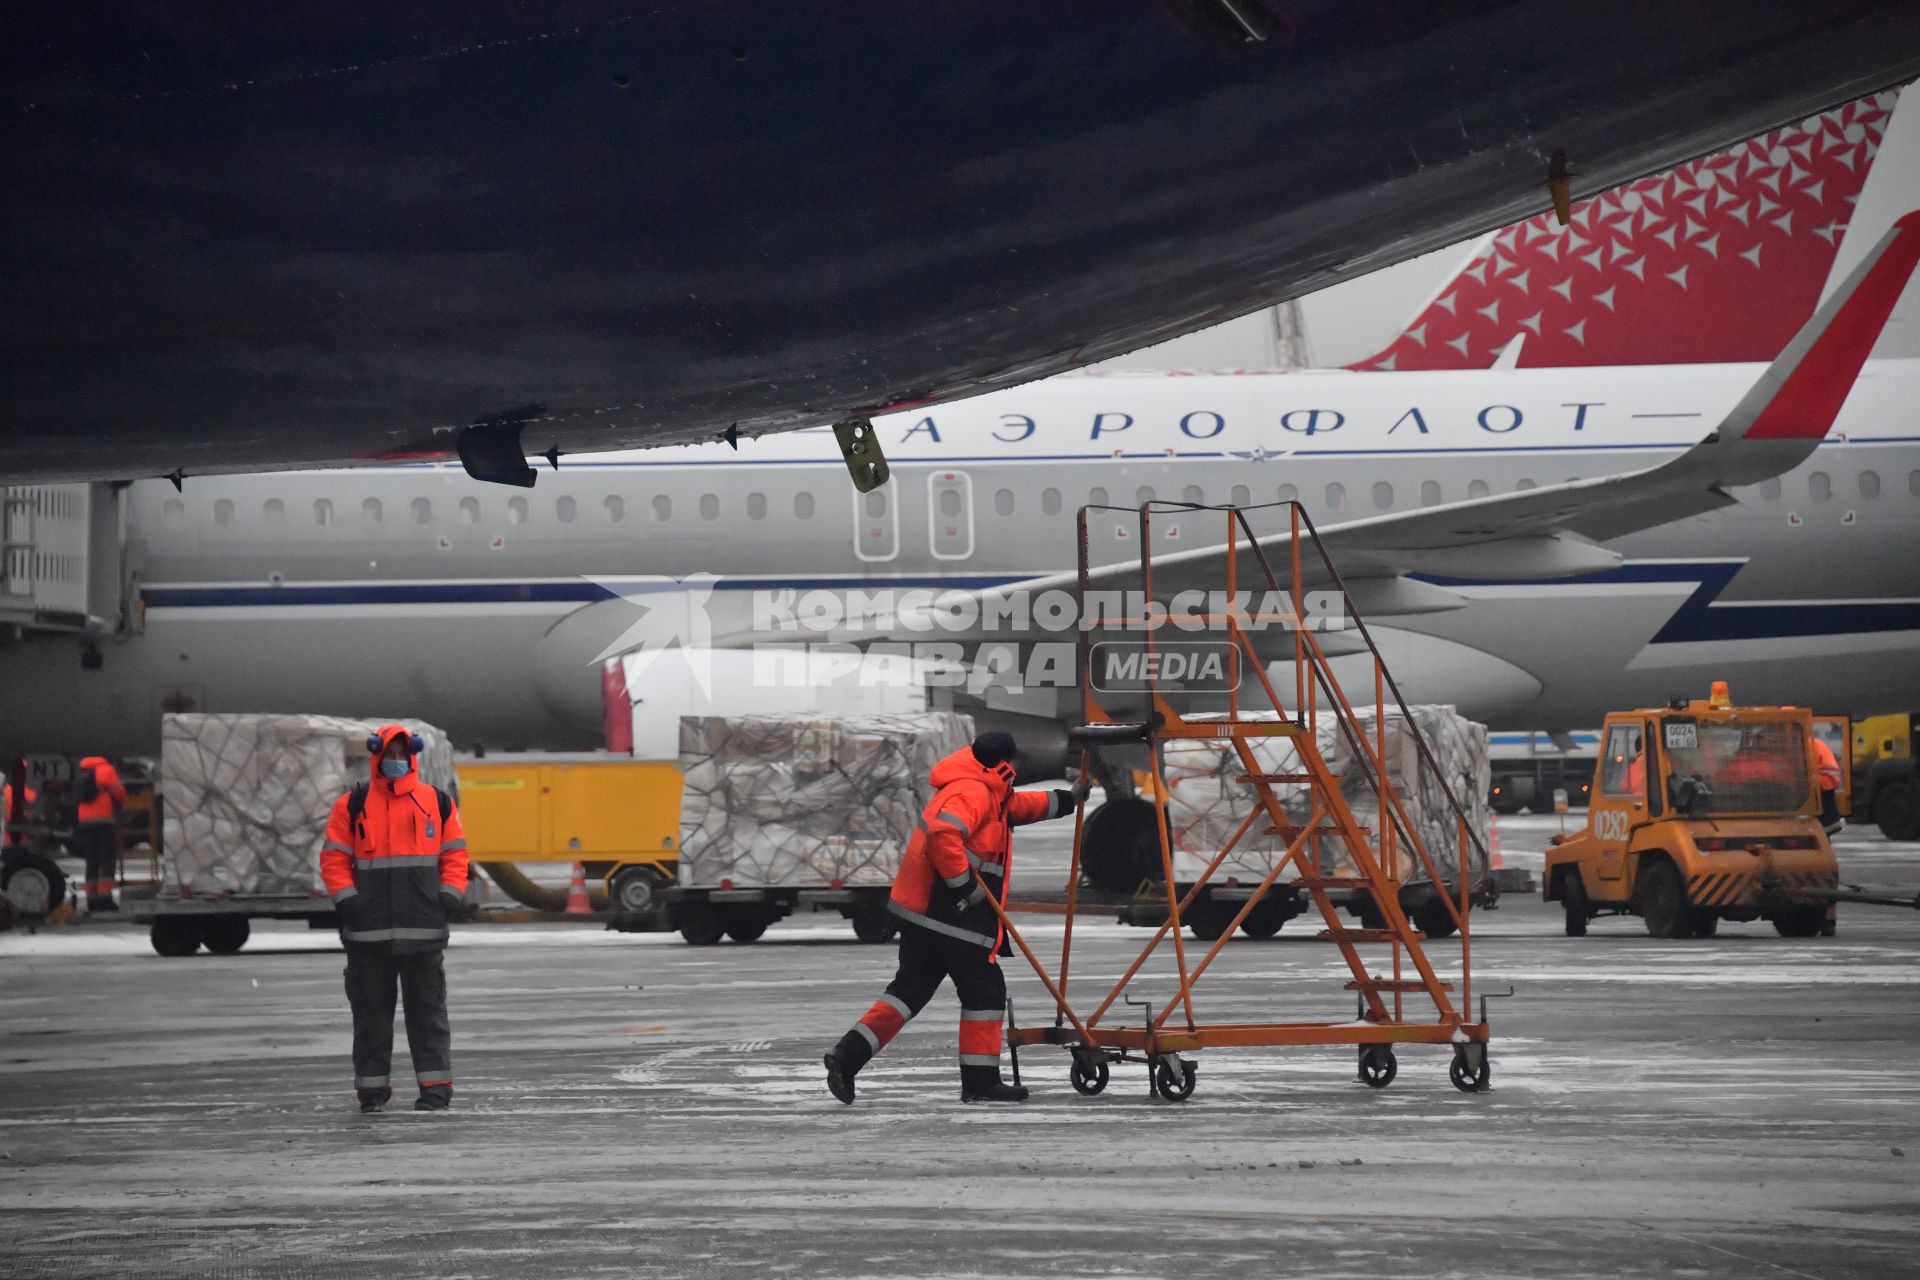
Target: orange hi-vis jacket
{"x": 397, "y": 872}
{"x": 112, "y": 792}
{"x": 966, "y": 827}
{"x": 1826, "y": 764}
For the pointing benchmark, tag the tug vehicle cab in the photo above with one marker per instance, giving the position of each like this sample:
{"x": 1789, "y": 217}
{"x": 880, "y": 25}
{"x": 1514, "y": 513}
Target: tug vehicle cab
{"x": 1700, "y": 812}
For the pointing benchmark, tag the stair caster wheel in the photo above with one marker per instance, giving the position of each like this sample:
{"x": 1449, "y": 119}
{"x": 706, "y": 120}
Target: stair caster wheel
{"x": 1173, "y": 1078}
{"x": 1089, "y": 1075}
{"x": 1471, "y": 1071}
{"x": 1378, "y": 1066}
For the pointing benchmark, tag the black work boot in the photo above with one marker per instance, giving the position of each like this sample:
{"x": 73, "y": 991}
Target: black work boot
{"x": 372, "y": 1100}
{"x": 983, "y": 1084}
{"x": 839, "y": 1077}
{"x": 435, "y": 1097}
{"x": 844, "y": 1061}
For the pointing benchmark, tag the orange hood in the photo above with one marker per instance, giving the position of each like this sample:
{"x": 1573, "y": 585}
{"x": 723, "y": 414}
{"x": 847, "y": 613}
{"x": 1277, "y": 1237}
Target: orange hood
{"x": 387, "y": 733}
{"x": 963, "y": 764}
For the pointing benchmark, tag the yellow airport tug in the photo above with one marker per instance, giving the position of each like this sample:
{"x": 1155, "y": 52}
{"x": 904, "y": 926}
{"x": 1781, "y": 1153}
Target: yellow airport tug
{"x": 1702, "y": 811}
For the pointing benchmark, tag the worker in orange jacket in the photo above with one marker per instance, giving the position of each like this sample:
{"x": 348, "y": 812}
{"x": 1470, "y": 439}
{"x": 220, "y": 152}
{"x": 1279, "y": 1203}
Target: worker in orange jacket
{"x": 1826, "y": 767}
{"x": 947, "y": 927}
{"x": 99, "y": 794}
{"x": 395, "y": 862}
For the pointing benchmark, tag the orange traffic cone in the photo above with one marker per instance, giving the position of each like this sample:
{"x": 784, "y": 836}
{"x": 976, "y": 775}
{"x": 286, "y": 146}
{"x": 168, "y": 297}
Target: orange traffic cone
{"x": 1493, "y": 838}
{"x": 578, "y": 904}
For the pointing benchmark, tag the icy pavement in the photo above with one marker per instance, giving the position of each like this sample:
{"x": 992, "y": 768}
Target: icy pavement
{"x": 630, "y": 1106}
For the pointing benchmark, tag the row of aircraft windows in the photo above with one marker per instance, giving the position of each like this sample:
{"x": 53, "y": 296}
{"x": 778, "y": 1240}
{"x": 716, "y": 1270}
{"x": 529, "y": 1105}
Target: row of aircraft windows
{"x": 566, "y": 509}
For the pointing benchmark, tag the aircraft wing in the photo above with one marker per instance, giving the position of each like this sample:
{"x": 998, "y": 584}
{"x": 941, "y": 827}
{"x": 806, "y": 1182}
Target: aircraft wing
{"x": 1550, "y": 532}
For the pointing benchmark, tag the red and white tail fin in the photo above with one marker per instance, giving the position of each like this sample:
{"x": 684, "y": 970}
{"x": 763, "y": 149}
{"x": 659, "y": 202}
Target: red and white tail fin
{"x": 1663, "y": 270}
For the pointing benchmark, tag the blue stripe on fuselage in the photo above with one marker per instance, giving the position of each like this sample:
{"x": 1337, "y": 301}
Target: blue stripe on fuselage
{"x": 1700, "y": 617}
{"x": 1703, "y": 617}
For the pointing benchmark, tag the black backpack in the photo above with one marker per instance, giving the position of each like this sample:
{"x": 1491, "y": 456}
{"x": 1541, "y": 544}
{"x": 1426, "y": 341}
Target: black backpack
{"x": 357, "y": 805}
{"x": 86, "y": 786}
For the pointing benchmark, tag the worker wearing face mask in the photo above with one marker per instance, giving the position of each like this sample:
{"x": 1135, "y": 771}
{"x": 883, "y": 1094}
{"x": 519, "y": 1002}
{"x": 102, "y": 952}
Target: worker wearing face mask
{"x": 395, "y": 862}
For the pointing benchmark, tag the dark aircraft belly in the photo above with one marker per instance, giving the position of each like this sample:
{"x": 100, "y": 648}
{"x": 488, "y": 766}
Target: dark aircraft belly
{"x": 261, "y": 235}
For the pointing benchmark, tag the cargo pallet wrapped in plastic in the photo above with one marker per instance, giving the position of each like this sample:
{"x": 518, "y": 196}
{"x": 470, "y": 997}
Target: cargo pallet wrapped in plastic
{"x": 802, "y": 800}
{"x": 247, "y": 797}
{"x": 1206, "y": 804}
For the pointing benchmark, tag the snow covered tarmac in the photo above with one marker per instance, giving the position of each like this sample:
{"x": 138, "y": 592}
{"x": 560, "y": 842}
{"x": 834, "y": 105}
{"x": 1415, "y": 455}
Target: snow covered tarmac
{"x": 628, "y": 1105}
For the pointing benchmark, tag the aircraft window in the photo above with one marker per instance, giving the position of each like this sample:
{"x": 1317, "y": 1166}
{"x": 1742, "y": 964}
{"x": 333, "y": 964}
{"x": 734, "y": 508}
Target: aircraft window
{"x": 803, "y": 505}
{"x": 1050, "y": 501}
{"x": 1820, "y": 485}
{"x": 275, "y": 512}
{"x": 1143, "y": 495}
{"x": 616, "y": 508}
{"x": 469, "y": 511}
{"x": 565, "y": 508}
{"x": 1476, "y": 488}
{"x": 1003, "y": 502}
{"x": 370, "y": 512}
{"x": 1336, "y": 496}
{"x": 516, "y": 510}
{"x": 1869, "y": 484}
{"x": 756, "y": 506}
{"x": 223, "y": 512}
{"x": 1429, "y": 493}
{"x": 1288, "y": 493}
{"x": 709, "y": 506}
{"x": 1770, "y": 489}
{"x": 662, "y": 507}
{"x": 1523, "y": 484}
{"x": 949, "y": 504}
{"x": 174, "y": 514}
{"x": 1241, "y": 496}
{"x": 1193, "y": 493}
{"x": 1382, "y": 494}
{"x": 422, "y": 511}
{"x": 1097, "y": 496}
{"x": 322, "y": 512}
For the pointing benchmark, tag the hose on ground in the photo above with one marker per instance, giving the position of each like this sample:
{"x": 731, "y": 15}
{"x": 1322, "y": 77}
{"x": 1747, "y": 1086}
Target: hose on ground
{"x": 514, "y": 883}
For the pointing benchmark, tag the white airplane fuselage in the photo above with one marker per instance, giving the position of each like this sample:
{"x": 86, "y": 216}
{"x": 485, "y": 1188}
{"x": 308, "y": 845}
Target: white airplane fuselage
{"x": 415, "y": 591}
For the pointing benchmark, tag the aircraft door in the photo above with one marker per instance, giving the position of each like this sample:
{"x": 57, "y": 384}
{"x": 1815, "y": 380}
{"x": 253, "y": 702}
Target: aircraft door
{"x": 876, "y": 525}
{"x": 1619, "y": 803}
{"x": 950, "y": 515}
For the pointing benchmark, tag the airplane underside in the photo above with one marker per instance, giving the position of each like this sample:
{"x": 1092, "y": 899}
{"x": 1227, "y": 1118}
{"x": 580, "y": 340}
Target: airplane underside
{"x": 285, "y": 236}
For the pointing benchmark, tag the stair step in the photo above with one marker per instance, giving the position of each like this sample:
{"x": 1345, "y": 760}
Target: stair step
{"x": 1366, "y": 935}
{"x": 1412, "y": 985}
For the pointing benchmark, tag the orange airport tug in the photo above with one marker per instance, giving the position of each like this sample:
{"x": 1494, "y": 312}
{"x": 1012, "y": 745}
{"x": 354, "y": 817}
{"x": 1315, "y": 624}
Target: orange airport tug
{"x": 1701, "y": 812}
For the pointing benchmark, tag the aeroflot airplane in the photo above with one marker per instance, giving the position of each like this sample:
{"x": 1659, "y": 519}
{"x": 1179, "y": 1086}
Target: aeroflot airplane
{"x": 1535, "y": 545}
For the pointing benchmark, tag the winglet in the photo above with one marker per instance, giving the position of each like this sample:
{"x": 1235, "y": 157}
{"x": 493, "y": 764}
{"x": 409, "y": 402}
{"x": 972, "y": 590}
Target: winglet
{"x": 1800, "y": 394}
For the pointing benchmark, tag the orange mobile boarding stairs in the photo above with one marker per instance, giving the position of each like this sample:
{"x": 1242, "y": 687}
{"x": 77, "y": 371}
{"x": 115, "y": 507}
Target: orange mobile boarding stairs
{"x": 1402, "y": 998}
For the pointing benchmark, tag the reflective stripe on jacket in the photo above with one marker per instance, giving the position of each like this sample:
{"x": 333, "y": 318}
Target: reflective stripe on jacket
{"x": 398, "y": 871}
{"x": 966, "y": 827}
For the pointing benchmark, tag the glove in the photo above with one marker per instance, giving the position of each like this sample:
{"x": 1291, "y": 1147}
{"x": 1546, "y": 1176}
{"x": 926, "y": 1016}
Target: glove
{"x": 454, "y": 905}
{"x": 1082, "y": 789}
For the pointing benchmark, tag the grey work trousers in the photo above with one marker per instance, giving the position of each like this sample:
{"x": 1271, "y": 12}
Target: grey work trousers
{"x": 375, "y": 977}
